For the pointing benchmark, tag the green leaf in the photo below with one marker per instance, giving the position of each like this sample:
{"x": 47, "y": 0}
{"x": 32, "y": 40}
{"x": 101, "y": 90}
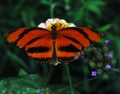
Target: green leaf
{"x": 79, "y": 14}
{"x": 67, "y": 2}
{"x": 23, "y": 85}
{"x": 105, "y": 76}
{"x": 105, "y": 28}
{"x": 17, "y": 59}
{"x": 94, "y": 6}
{"x": 94, "y": 9}
{"x": 92, "y": 64}
{"x": 22, "y": 72}
{"x": 46, "y": 2}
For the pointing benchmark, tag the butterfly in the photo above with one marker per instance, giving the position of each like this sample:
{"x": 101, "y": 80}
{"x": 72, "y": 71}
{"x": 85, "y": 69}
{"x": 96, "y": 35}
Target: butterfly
{"x": 55, "y": 44}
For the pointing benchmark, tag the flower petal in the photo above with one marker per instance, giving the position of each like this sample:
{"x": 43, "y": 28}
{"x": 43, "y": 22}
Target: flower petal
{"x": 42, "y": 25}
{"x": 72, "y": 25}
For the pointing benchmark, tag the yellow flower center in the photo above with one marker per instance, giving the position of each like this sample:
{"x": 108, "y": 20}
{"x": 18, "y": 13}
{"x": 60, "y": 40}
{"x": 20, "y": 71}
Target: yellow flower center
{"x": 59, "y": 25}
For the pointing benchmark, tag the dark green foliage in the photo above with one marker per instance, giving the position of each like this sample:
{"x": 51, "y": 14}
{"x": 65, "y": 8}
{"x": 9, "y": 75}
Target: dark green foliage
{"x": 16, "y": 68}
{"x": 24, "y": 84}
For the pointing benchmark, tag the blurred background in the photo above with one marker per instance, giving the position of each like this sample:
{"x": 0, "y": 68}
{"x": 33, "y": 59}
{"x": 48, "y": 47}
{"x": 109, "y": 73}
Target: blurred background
{"x": 16, "y": 67}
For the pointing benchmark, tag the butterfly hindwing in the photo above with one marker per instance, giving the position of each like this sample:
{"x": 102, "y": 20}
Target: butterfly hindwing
{"x": 40, "y": 49}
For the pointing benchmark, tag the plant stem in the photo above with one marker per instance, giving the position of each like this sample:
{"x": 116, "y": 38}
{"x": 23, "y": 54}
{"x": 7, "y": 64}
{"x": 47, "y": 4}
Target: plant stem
{"x": 69, "y": 78}
{"x": 52, "y": 8}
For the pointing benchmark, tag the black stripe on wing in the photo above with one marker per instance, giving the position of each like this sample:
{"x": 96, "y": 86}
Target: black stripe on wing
{"x": 33, "y": 40}
{"x": 38, "y": 49}
{"x": 78, "y": 30}
{"x": 69, "y": 48}
{"x": 27, "y": 31}
{"x": 73, "y": 39}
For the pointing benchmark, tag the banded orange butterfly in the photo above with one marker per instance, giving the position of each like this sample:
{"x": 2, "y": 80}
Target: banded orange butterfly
{"x": 53, "y": 41}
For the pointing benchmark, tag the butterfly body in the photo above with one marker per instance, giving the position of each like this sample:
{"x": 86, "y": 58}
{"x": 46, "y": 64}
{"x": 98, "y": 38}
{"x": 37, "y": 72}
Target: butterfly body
{"x": 54, "y": 33}
{"x": 54, "y": 45}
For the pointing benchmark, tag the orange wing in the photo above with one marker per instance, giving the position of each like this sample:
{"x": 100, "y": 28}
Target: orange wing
{"x": 36, "y": 42}
{"x": 72, "y": 40}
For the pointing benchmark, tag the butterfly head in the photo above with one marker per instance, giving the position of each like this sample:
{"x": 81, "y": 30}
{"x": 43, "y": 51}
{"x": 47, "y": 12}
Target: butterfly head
{"x": 53, "y": 27}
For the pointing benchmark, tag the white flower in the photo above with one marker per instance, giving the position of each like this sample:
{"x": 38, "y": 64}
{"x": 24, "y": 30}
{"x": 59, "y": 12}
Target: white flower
{"x": 59, "y": 23}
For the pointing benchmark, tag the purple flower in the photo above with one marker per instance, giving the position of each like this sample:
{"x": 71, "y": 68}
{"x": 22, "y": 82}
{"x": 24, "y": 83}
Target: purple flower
{"x": 94, "y": 73}
{"x": 82, "y": 56}
{"x": 107, "y": 41}
{"x": 108, "y": 67}
{"x": 110, "y": 55}
{"x": 38, "y": 90}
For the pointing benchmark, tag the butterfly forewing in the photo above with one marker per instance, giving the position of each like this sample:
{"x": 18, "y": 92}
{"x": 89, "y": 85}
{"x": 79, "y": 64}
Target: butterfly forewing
{"x": 23, "y": 36}
{"x": 93, "y": 36}
{"x": 74, "y": 35}
{"x": 14, "y": 36}
{"x": 32, "y": 36}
